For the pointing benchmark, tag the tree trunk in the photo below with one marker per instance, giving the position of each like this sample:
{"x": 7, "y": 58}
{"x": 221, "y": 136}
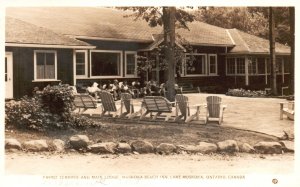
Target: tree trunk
{"x": 169, "y": 38}
{"x": 292, "y": 61}
{"x": 272, "y": 51}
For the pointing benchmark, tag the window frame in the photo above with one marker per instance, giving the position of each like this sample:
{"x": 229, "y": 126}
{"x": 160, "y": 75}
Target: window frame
{"x": 35, "y": 64}
{"x": 107, "y": 51}
{"x": 135, "y": 64}
{"x": 234, "y": 58}
{"x": 85, "y": 64}
{"x": 216, "y": 65}
{"x": 205, "y": 64}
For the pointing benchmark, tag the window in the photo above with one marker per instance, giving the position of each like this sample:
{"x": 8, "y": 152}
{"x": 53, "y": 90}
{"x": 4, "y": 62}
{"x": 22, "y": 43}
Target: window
{"x": 240, "y": 65}
{"x": 230, "y": 65}
{"x": 130, "y": 59}
{"x": 261, "y": 65}
{"x": 279, "y": 65}
{"x": 106, "y": 63}
{"x": 196, "y": 64}
{"x": 81, "y": 63}
{"x": 286, "y": 65}
{"x": 268, "y": 65}
{"x": 252, "y": 65}
{"x": 212, "y": 60}
{"x": 45, "y": 65}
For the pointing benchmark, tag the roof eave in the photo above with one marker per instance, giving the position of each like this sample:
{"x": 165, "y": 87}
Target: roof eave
{"x": 11, "y": 44}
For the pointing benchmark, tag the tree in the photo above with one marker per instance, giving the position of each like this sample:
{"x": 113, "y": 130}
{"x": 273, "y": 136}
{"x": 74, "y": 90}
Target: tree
{"x": 170, "y": 18}
{"x": 292, "y": 61}
{"x": 272, "y": 51}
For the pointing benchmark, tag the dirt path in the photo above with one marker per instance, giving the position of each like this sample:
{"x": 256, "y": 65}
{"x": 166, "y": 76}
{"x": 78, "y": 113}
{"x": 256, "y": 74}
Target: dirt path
{"x": 91, "y": 164}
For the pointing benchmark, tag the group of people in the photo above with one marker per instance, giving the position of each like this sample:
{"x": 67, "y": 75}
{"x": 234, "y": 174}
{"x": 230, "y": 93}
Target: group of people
{"x": 135, "y": 89}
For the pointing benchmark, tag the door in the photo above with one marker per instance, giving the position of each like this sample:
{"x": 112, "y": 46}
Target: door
{"x": 8, "y": 75}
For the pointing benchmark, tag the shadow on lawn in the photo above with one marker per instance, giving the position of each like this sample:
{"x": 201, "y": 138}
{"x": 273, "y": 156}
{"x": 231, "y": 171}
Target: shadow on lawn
{"x": 154, "y": 132}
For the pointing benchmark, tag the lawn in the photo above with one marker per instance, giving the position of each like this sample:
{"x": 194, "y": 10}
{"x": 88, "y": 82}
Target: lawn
{"x": 247, "y": 120}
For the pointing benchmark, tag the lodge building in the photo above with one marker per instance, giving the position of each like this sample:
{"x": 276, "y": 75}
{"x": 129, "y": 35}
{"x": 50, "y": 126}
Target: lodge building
{"x": 78, "y": 46}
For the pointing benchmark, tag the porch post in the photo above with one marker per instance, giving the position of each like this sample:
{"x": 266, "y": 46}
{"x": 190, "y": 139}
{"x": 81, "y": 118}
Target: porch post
{"x": 74, "y": 67}
{"x": 246, "y": 71}
{"x": 282, "y": 69}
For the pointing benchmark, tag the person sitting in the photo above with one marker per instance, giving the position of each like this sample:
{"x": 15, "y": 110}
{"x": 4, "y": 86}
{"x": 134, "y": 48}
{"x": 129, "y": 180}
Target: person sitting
{"x": 116, "y": 89}
{"x": 94, "y": 90}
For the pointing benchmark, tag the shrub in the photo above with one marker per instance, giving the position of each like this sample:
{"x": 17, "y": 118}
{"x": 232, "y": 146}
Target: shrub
{"x": 57, "y": 99}
{"x": 50, "y": 108}
{"x": 246, "y": 93}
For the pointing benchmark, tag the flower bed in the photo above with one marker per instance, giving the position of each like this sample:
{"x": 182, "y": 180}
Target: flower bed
{"x": 246, "y": 93}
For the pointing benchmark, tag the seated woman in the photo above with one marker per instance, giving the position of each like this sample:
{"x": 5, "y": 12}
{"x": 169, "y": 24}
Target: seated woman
{"x": 94, "y": 90}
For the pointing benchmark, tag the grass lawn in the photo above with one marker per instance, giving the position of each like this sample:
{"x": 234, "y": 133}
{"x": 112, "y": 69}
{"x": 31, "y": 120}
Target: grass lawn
{"x": 247, "y": 120}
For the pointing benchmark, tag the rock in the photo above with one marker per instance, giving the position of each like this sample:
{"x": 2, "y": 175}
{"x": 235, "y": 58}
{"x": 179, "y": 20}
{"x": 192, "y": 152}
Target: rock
{"x": 79, "y": 141}
{"x": 58, "y": 145}
{"x": 268, "y": 147}
{"x": 142, "y": 146}
{"x": 12, "y": 143}
{"x": 288, "y": 146}
{"x": 229, "y": 146}
{"x": 123, "y": 148}
{"x": 206, "y": 148}
{"x": 188, "y": 148}
{"x": 107, "y": 147}
{"x": 36, "y": 145}
{"x": 165, "y": 148}
{"x": 246, "y": 148}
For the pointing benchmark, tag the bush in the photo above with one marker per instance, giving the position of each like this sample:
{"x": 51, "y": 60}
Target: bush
{"x": 246, "y": 93}
{"x": 57, "y": 99}
{"x": 50, "y": 108}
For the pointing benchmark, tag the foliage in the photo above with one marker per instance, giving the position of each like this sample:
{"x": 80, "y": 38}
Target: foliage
{"x": 57, "y": 99}
{"x": 246, "y": 93}
{"x": 154, "y": 16}
{"x": 49, "y": 108}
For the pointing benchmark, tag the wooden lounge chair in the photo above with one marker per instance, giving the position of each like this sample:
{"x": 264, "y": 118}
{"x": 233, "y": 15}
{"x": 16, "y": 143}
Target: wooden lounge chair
{"x": 215, "y": 109}
{"x": 156, "y": 104}
{"x": 127, "y": 103}
{"x": 182, "y": 105}
{"x": 287, "y": 108}
{"x": 84, "y": 101}
{"x": 109, "y": 105}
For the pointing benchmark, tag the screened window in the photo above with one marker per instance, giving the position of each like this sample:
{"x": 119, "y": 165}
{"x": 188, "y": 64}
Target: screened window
{"x": 279, "y": 65}
{"x": 81, "y": 63}
{"x": 106, "y": 63}
{"x": 196, "y": 64}
{"x": 45, "y": 65}
{"x": 130, "y": 63}
{"x": 230, "y": 65}
{"x": 268, "y": 65}
{"x": 212, "y": 64}
{"x": 261, "y": 65}
{"x": 240, "y": 65}
{"x": 252, "y": 65}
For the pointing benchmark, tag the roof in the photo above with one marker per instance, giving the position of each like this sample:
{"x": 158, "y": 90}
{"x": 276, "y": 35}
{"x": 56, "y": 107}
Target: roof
{"x": 21, "y": 32}
{"x": 247, "y": 43}
{"x": 110, "y": 24}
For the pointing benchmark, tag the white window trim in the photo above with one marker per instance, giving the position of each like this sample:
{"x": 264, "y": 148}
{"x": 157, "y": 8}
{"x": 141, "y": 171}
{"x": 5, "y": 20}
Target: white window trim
{"x": 55, "y": 63}
{"x": 215, "y": 55}
{"x": 107, "y": 51}
{"x": 231, "y": 74}
{"x": 245, "y": 64}
{"x": 205, "y": 63}
{"x": 85, "y": 63}
{"x": 135, "y": 64}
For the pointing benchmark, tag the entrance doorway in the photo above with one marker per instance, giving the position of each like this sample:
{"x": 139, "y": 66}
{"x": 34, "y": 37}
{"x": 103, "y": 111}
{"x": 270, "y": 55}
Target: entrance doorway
{"x": 8, "y": 75}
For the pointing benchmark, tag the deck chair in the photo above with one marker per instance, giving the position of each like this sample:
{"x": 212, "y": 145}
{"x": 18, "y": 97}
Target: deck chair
{"x": 109, "y": 105}
{"x": 157, "y": 104}
{"x": 215, "y": 109}
{"x": 183, "y": 106}
{"x": 127, "y": 103}
{"x": 288, "y": 109}
{"x": 84, "y": 102}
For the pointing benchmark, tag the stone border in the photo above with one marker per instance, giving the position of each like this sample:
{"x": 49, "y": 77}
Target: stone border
{"x": 81, "y": 143}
